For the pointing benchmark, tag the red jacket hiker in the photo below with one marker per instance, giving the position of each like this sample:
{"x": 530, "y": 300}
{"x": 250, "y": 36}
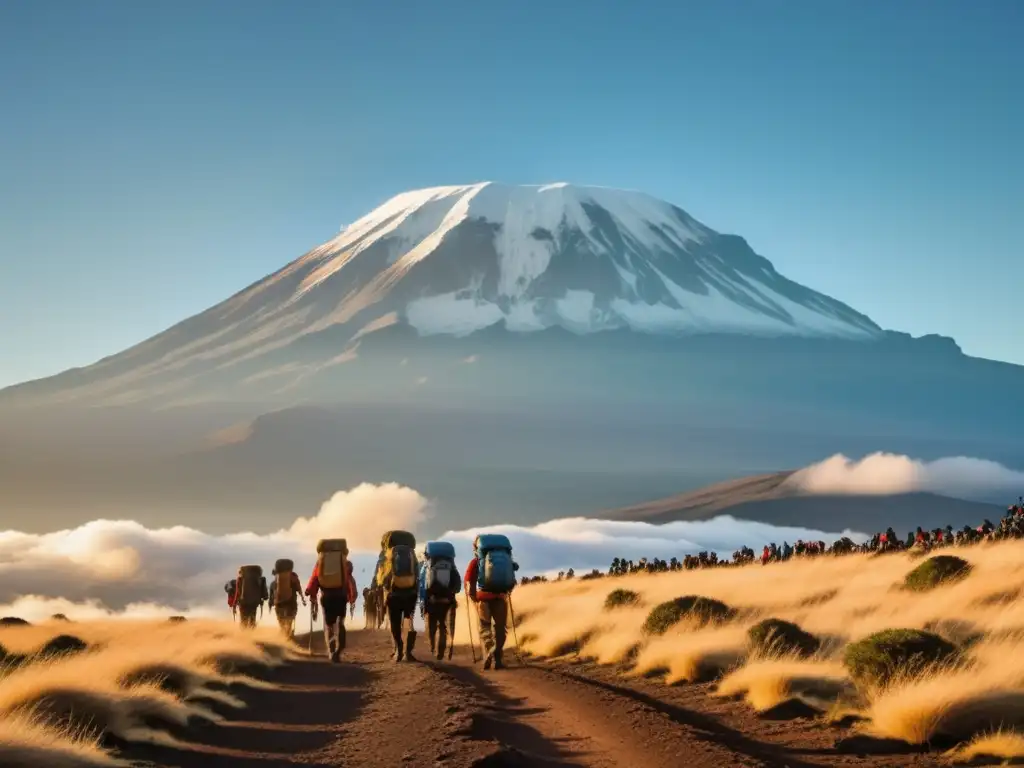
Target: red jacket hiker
{"x": 314, "y": 583}
{"x": 472, "y": 572}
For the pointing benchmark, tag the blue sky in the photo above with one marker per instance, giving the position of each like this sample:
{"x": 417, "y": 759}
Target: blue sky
{"x": 157, "y": 157}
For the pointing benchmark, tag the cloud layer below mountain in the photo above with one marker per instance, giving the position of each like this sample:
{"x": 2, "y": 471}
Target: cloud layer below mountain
{"x": 119, "y": 567}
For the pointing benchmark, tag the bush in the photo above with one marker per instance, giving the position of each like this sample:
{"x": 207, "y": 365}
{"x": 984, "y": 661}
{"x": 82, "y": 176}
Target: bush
{"x": 13, "y": 621}
{"x": 877, "y": 659}
{"x": 778, "y": 636}
{"x": 704, "y": 610}
{"x": 620, "y": 598}
{"x": 937, "y": 570}
{"x": 63, "y": 645}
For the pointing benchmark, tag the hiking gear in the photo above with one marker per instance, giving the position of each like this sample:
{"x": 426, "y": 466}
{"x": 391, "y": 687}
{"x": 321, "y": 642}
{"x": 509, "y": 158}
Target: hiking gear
{"x": 498, "y": 663}
{"x": 441, "y": 579}
{"x": 469, "y": 627}
{"x": 332, "y": 563}
{"x": 444, "y": 549}
{"x": 451, "y": 629}
{"x": 285, "y": 592}
{"x": 394, "y": 538}
{"x": 252, "y": 587}
{"x": 309, "y": 650}
{"x": 496, "y": 572}
{"x": 515, "y": 635}
{"x": 400, "y": 568}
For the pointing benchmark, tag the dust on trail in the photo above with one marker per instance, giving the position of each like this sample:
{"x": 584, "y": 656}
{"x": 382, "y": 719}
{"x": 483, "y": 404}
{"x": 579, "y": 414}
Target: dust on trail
{"x": 369, "y": 711}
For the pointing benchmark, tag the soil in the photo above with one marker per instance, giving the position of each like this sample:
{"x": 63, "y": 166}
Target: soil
{"x": 370, "y": 712}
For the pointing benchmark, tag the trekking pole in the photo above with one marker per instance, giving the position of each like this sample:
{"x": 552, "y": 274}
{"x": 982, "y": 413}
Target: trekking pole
{"x": 451, "y": 623}
{"x": 310, "y": 638}
{"x": 469, "y": 626}
{"x": 515, "y": 635}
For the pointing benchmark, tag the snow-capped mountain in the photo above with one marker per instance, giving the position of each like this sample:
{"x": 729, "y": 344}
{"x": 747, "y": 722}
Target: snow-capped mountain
{"x": 456, "y": 260}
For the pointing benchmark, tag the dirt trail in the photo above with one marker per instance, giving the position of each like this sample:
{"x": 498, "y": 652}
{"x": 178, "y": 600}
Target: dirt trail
{"x": 368, "y": 711}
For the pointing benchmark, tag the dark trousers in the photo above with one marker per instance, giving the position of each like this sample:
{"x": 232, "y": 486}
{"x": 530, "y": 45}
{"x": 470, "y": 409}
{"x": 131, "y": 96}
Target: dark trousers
{"x": 493, "y": 612}
{"x": 248, "y": 616}
{"x": 400, "y": 606}
{"x": 286, "y": 613}
{"x": 334, "y": 605}
{"x": 440, "y": 620}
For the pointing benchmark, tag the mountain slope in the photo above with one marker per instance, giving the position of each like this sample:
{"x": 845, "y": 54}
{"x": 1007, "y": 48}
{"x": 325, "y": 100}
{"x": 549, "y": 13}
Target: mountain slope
{"x": 455, "y": 260}
{"x": 770, "y": 499}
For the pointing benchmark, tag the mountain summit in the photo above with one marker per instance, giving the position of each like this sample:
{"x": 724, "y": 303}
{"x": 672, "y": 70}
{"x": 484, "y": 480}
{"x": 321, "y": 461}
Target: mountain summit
{"x": 458, "y": 259}
{"x": 452, "y": 261}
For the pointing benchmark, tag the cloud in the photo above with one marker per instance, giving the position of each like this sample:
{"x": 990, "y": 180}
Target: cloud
{"x": 362, "y": 514}
{"x": 584, "y": 543}
{"x": 471, "y": 359}
{"x": 120, "y": 565}
{"x": 109, "y": 568}
{"x": 887, "y": 473}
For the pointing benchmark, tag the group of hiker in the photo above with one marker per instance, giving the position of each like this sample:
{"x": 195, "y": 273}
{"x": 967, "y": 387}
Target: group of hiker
{"x": 402, "y": 580}
{"x": 1011, "y": 526}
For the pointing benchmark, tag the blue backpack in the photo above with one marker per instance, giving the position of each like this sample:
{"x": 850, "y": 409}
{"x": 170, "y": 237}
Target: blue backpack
{"x": 440, "y": 579}
{"x": 496, "y": 573}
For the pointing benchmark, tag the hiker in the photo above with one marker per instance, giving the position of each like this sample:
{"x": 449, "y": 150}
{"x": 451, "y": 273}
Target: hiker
{"x": 440, "y": 585}
{"x": 250, "y": 593}
{"x": 490, "y": 579}
{"x": 230, "y": 588}
{"x": 397, "y": 575}
{"x": 332, "y": 578}
{"x": 285, "y": 593}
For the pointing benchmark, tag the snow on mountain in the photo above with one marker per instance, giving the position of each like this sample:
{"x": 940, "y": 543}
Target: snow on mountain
{"x": 584, "y": 258}
{"x": 454, "y": 260}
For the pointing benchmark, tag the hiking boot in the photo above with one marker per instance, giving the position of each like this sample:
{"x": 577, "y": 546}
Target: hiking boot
{"x": 410, "y": 643}
{"x": 336, "y": 655}
{"x": 440, "y": 652}
{"x": 488, "y": 661}
{"x": 498, "y": 663}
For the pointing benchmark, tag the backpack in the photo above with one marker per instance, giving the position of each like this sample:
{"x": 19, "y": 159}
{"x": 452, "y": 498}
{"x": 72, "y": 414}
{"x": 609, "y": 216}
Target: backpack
{"x": 332, "y": 563}
{"x": 399, "y": 570}
{"x": 284, "y": 592}
{"x": 496, "y": 572}
{"x": 441, "y": 579}
{"x": 252, "y": 586}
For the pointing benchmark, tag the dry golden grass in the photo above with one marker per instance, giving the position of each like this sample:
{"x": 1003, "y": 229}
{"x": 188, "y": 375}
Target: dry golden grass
{"x": 1001, "y": 745}
{"x": 838, "y": 599}
{"x": 27, "y": 743}
{"x": 136, "y": 681}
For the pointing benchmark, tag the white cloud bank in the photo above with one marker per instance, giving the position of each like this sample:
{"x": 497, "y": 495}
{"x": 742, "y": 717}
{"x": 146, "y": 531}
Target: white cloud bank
{"x": 118, "y": 567}
{"x": 887, "y": 473}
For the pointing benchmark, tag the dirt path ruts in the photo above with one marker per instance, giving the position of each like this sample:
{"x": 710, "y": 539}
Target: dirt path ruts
{"x": 369, "y": 711}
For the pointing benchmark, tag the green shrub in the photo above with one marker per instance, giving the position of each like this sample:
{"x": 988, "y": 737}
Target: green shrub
{"x": 703, "y": 610}
{"x": 877, "y": 659}
{"x": 778, "y": 636}
{"x": 937, "y": 570}
{"x": 620, "y": 598}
